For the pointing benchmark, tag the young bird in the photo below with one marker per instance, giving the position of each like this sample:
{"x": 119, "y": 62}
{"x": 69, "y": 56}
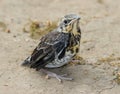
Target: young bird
{"x": 57, "y": 48}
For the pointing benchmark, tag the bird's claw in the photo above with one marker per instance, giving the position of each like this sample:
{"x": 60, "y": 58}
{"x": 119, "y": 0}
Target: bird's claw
{"x": 60, "y": 77}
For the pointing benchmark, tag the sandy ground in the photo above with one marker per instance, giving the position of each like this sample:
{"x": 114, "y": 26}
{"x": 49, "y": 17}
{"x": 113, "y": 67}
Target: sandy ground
{"x": 100, "y": 24}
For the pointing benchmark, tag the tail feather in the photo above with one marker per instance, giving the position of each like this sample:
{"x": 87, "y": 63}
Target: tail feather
{"x": 26, "y": 62}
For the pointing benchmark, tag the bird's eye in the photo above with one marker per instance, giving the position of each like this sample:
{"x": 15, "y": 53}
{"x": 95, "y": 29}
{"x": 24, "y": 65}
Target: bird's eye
{"x": 66, "y": 21}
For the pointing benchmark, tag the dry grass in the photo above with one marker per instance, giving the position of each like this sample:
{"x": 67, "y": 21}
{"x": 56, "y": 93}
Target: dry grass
{"x": 38, "y": 29}
{"x": 3, "y": 26}
{"x": 86, "y": 41}
{"x": 100, "y": 1}
{"x": 117, "y": 77}
{"x": 109, "y": 59}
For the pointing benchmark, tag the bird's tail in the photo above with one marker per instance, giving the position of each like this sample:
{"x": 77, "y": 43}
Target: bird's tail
{"x": 26, "y": 62}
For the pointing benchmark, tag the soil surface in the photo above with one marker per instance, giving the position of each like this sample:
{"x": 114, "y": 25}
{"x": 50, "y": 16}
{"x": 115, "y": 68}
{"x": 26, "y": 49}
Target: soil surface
{"x": 100, "y": 47}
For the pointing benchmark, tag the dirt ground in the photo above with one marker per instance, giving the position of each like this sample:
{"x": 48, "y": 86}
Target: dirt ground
{"x": 100, "y": 47}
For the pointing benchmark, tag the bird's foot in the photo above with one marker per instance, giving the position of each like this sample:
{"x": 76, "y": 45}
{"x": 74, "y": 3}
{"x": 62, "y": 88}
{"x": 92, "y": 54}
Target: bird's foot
{"x": 54, "y": 75}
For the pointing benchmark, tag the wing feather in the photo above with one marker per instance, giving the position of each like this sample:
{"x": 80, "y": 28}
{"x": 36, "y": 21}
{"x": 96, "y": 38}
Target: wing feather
{"x": 51, "y": 45}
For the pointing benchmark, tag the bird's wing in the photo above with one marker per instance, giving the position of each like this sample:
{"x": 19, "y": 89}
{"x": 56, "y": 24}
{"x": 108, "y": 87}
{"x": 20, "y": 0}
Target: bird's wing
{"x": 51, "y": 45}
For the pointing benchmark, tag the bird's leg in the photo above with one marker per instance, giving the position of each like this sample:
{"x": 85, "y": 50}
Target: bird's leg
{"x": 58, "y": 77}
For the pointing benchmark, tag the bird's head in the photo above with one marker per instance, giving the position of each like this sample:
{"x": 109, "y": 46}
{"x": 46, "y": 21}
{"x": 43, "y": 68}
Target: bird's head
{"x": 70, "y": 24}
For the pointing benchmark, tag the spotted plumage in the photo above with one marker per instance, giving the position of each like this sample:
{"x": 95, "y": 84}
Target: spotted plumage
{"x": 58, "y": 47}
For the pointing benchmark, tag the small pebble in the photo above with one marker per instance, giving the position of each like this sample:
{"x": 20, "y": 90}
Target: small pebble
{"x": 8, "y": 31}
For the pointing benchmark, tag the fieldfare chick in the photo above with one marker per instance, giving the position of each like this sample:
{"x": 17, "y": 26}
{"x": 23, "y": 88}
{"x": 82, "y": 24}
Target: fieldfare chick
{"x": 58, "y": 47}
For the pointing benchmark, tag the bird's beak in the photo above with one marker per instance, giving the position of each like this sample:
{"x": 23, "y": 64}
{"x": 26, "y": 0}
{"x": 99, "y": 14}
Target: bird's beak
{"x": 78, "y": 18}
